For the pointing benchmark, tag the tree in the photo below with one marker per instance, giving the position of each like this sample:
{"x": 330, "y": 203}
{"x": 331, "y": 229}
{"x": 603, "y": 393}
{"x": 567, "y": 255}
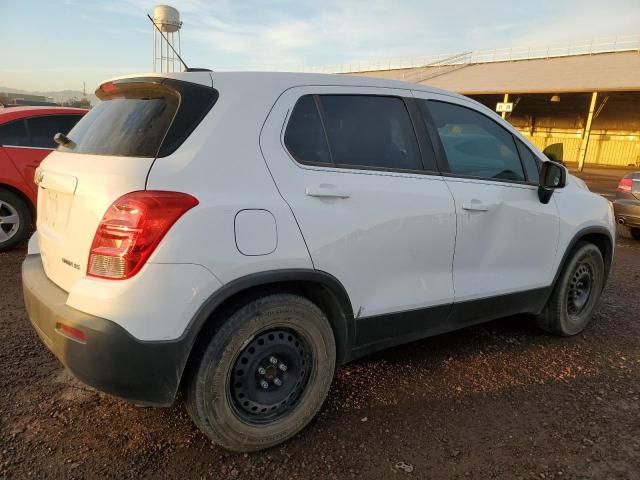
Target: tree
{"x": 77, "y": 103}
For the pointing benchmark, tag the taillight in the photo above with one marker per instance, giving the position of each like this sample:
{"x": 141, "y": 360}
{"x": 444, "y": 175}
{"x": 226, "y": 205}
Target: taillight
{"x": 625, "y": 185}
{"x": 131, "y": 229}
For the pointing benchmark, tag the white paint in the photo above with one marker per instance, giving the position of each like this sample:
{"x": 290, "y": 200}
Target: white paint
{"x": 389, "y": 238}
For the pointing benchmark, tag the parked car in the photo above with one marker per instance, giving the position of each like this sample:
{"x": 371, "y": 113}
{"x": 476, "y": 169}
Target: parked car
{"x": 627, "y": 206}
{"x": 237, "y": 236}
{"x": 26, "y": 137}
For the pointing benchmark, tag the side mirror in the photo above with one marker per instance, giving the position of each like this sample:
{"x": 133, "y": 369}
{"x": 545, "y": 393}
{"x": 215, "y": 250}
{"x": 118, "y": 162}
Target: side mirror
{"x": 552, "y": 176}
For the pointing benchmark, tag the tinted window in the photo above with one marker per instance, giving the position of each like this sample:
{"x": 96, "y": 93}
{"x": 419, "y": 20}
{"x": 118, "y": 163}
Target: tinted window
{"x": 474, "y": 144}
{"x": 42, "y": 129}
{"x": 370, "y": 131}
{"x": 14, "y": 133}
{"x": 530, "y": 162}
{"x": 139, "y": 118}
{"x": 305, "y": 136}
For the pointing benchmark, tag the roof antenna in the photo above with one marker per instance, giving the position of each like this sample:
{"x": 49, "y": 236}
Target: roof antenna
{"x": 166, "y": 41}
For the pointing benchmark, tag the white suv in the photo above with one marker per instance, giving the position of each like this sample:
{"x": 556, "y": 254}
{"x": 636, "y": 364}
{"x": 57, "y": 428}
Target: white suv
{"x": 236, "y": 236}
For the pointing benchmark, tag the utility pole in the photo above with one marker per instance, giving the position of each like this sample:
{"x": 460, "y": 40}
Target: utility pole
{"x": 587, "y": 132}
{"x": 506, "y": 100}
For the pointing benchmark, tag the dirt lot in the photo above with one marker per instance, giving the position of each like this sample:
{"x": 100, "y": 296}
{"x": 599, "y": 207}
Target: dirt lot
{"x": 502, "y": 400}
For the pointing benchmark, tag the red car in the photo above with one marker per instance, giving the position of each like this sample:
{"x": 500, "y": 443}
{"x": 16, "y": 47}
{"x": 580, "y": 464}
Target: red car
{"x": 26, "y": 137}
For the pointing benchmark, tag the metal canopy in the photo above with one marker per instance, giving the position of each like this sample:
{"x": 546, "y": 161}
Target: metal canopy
{"x": 611, "y": 72}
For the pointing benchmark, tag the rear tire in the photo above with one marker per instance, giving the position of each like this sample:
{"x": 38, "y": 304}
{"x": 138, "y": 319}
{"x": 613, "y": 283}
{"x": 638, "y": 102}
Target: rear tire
{"x": 15, "y": 220}
{"x": 264, "y": 375}
{"x": 576, "y": 293}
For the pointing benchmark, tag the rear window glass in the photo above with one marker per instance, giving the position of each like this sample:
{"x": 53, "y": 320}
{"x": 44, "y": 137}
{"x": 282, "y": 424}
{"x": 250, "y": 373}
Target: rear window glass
{"x": 140, "y": 118}
{"x": 42, "y": 129}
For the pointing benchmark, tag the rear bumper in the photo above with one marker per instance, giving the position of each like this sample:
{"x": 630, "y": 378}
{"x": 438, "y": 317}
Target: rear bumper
{"x": 628, "y": 211}
{"x": 110, "y": 359}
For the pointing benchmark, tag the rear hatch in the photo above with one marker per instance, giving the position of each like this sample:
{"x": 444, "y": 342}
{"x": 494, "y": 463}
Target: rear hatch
{"x": 109, "y": 153}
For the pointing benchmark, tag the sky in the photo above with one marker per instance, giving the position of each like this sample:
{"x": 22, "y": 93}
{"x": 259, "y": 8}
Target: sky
{"x": 50, "y": 45}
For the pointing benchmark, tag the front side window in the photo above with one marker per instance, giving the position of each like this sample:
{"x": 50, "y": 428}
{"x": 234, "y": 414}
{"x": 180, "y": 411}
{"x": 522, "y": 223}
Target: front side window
{"x": 362, "y": 131}
{"x": 531, "y": 164}
{"x": 14, "y": 134}
{"x": 43, "y": 129}
{"x": 475, "y": 145}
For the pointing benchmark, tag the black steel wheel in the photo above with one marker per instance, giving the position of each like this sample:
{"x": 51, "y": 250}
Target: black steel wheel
{"x": 576, "y": 292}
{"x": 579, "y": 289}
{"x": 264, "y": 374}
{"x": 269, "y": 375}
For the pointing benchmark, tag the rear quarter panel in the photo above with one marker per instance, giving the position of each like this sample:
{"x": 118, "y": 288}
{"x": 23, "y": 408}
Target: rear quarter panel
{"x": 221, "y": 164}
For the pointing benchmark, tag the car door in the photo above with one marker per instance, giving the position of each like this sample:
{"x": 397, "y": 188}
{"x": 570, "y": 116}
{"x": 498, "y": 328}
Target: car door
{"x": 14, "y": 138}
{"x": 506, "y": 238}
{"x": 359, "y": 177}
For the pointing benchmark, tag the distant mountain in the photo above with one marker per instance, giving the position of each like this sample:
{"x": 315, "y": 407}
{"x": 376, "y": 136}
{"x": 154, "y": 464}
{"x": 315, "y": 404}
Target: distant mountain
{"x": 58, "y": 97}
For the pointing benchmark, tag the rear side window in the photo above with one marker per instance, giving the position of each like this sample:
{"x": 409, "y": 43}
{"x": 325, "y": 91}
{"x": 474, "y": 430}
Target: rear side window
{"x": 305, "y": 137}
{"x": 531, "y": 165}
{"x": 141, "y": 118}
{"x": 43, "y": 129}
{"x": 362, "y": 131}
{"x": 14, "y": 134}
{"x": 475, "y": 145}
{"x": 370, "y": 131}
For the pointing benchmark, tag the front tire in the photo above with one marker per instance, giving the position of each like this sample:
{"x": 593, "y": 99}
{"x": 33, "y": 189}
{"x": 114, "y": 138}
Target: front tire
{"x": 576, "y": 293}
{"x": 264, "y": 375}
{"x": 15, "y": 220}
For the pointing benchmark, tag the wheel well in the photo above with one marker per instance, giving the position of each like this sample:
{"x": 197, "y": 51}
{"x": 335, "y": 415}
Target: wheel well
{"x": 603, "y": 242}
{"x": 317, "y": 292}
{"x": 19, "y": 193}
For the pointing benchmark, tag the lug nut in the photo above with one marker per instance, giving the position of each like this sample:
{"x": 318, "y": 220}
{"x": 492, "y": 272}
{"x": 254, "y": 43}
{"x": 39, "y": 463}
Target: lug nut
{"x": 264, "y": 384}
{"x": 282, "y": 367}
{"x": 277, "y": 381}
{"x": 273, "y": 360}
{"x": 261, "y": 371}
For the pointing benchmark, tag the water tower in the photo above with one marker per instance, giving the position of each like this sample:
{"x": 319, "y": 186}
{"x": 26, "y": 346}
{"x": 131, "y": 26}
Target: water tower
{"x": 166, "y": 51}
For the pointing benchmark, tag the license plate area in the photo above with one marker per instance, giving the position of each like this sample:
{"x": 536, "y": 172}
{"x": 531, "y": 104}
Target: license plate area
{"x": 54, "y": 211}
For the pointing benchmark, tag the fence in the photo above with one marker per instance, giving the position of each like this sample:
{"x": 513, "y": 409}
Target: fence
{"x": 613, "y": 148}
{"x": 621, "y": 43}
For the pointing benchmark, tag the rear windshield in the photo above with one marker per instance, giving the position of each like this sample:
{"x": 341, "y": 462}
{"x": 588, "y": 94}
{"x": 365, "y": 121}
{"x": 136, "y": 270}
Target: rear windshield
{"x": 141, "y": 118}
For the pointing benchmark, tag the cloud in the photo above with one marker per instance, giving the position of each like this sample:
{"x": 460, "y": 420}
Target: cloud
{"x": 115, "y": 37}
{"x": 288, "y": 34}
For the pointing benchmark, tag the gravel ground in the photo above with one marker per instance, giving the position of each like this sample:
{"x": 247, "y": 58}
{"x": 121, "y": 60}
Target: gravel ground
{"x": 501, "y": 400}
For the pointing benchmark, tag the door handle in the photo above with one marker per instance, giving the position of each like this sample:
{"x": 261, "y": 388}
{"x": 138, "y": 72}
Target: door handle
{"x": 326, "y": 191}
{"x": 475, "y": 206}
